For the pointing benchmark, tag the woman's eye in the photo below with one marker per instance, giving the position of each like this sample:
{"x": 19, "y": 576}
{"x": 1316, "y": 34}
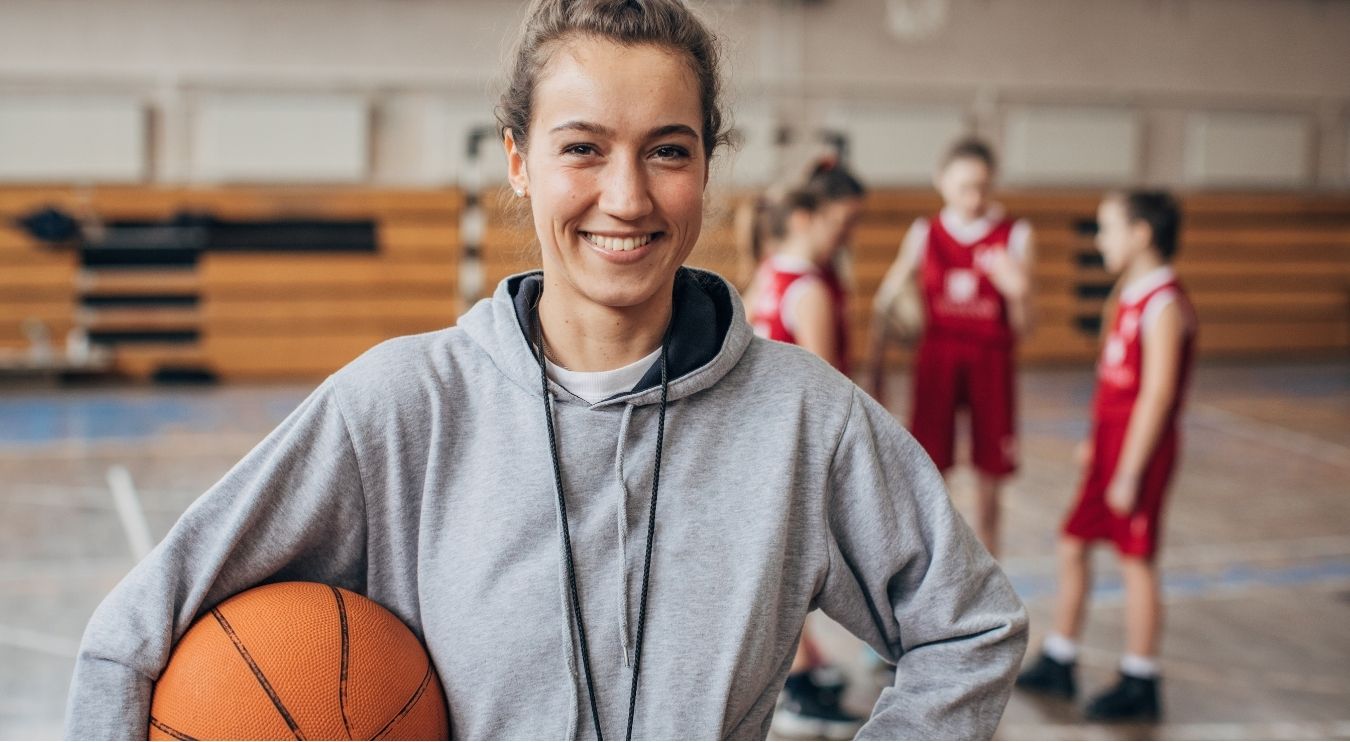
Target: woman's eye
{"x": 583, "y": 150}
{"x": 671, "y": 152}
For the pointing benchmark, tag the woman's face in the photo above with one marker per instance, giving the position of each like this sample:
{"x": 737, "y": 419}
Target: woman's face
{"x": 965, "y": 184}
{"x": 614, "y": 167}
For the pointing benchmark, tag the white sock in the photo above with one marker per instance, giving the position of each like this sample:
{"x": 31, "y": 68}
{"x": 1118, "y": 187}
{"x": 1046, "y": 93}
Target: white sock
{"x": 1138, "y": 666}
{"x": 1060, "y": 648}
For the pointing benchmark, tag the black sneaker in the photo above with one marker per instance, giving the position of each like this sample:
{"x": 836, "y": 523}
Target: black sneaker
{"x": 807, "y": 709}
{"x": 1050, "y": 677}
{"x": 1132, "y": 699}
{"x": 828, "y": 680}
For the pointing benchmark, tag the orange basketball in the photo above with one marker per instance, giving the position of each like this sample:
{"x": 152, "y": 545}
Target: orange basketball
{"x": 298, "y": 660}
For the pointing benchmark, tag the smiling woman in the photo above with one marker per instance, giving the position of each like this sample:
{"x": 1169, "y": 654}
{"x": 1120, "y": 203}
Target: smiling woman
{"x": 600, "y": 500}
{"x": 609, "y": 126}
{"x": 615, "y": 176}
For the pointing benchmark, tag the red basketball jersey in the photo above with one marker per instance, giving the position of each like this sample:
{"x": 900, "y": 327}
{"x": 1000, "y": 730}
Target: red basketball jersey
{"x": 960, "y": 300}
{"x": 775, "y": 278}
{"x": 1121, "y": 366}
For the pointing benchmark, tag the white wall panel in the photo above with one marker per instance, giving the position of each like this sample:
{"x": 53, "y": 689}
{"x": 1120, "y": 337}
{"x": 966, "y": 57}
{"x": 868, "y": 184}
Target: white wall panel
{"x": 754, "y": 162}
{"x": 1052, "y": 145}
{"x": 1248, "y": 149}
{"x": 897, "y": 145}
{"x": 51, "y": 138}
{"x": 459, "y": 119}
{"x": 285, "y": 138}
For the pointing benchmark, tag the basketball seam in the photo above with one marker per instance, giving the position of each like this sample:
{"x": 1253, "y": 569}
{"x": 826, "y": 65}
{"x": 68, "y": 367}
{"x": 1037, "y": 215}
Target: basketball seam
{"x": 161, "y": 726}
{"x": 426, "y": 680}
{"x": 258, "y": 673}
{"x": 342, "y": 680}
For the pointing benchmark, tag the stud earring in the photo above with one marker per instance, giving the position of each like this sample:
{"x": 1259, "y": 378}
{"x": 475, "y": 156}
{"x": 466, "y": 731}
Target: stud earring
{"x": 520, "y": 193}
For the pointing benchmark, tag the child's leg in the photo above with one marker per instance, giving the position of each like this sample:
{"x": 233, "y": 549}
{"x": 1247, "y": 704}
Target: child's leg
{"x": 1137, "y": 695}
{"x": 987, "y": 512}
{"x": 1143, "y": 607}
{"x": 1052, "y": 673}
{"x": 809, "y": 706}
{"x": 1075, "y": 580}
{"x": 807, "y": 657}
{"x": 993, "y": 434}
{"x": 936, "y": 389}
{"x": 1139, "y": 546}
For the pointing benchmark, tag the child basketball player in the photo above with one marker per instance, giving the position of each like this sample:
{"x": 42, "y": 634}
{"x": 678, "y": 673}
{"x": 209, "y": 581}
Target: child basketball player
{"x": 797, "y": 297}
{"x": 973, "y": 267}
{"x": 1141, "y": 382}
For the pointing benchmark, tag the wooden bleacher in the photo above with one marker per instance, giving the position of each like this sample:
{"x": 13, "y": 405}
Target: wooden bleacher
{"x": 260, "y": 314}
{"x": 1270, "y": 274}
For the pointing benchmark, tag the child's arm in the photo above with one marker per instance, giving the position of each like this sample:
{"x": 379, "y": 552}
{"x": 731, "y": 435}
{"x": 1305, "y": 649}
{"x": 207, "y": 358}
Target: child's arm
{"x": 1162, "y": 354}
{"x": 813, "y": 320}
{"x": 906, "y": 262}
{"x": 1011, "y": 275}
{"x": 901, "y": 270}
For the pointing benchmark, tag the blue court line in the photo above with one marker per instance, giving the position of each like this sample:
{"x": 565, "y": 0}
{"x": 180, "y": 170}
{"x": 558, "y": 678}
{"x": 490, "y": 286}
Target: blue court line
{"x": 115, "y": 416}
{"x": 1201, "y": 584}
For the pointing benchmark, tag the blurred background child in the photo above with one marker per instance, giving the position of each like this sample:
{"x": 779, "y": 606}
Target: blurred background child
{"x": 1141, "y": 383}
{"x": 972, "y": 263}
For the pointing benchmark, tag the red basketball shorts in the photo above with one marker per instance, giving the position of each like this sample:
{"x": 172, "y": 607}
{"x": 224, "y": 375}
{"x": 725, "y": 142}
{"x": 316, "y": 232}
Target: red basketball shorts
{"x": 951, "y": 374}
{"x": 1136, "y": 534}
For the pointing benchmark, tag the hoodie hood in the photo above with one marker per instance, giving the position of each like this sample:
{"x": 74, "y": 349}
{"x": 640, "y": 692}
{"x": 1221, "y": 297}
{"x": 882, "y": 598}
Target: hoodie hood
{"x": 708, "y": 336}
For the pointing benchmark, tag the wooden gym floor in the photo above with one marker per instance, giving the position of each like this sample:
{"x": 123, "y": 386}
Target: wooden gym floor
{"x": 1256, "y": 562}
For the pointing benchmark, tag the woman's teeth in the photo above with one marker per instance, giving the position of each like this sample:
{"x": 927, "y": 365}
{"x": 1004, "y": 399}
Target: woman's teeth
{"x": 617, "y": 244}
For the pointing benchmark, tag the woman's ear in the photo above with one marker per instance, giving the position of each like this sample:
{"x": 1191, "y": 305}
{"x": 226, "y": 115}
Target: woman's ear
{"x": 515, "y": 163}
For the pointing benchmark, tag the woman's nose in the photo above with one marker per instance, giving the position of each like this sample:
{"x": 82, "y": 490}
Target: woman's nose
{"x": 623, "y": 192}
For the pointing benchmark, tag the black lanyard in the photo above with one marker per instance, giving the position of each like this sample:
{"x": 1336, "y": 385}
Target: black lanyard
{"x": 567, "y": 536}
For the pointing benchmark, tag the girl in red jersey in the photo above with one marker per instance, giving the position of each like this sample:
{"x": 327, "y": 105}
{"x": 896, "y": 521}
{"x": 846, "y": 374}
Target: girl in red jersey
{"x": 972, "y": 263}
{"x": 1141, "y": 381}
{"x": 797, "y": 297}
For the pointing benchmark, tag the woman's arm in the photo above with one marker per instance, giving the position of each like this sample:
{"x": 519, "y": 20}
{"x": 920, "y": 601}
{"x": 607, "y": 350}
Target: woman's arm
{"x": 292, "y": 509}
{"x": 907, "y": 576}
{"x": 1157, "y": 392}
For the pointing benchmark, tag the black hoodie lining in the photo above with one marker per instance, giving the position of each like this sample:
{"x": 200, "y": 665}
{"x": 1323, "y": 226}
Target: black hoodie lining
{"x": 701, "y": 319}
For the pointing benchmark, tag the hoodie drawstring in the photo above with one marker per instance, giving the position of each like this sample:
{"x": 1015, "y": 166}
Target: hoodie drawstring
{"x": 575, "y": 614}
{"x": 565, "y": 633}
{"x": 623, "y": 533}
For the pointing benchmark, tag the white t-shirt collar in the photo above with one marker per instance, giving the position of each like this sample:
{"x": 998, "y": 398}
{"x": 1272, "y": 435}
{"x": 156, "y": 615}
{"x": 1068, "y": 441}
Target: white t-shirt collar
{"x": 597, "y": 386}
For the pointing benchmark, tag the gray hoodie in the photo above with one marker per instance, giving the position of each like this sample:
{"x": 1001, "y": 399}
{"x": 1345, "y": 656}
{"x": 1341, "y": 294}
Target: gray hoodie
{"x": 420, "y": 475}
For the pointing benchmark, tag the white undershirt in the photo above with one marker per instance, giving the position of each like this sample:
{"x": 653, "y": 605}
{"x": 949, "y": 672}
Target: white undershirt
{"x": 597, "y": 386}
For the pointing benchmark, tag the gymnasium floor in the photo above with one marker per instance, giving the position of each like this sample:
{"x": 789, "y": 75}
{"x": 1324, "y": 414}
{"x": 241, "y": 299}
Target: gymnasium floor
{"x": 1257, "y": 561}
